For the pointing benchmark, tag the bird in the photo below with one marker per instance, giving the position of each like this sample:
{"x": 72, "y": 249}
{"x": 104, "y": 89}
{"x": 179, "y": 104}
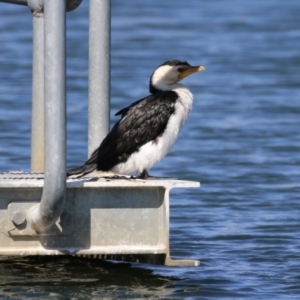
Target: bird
{"x": 148, "y": 128}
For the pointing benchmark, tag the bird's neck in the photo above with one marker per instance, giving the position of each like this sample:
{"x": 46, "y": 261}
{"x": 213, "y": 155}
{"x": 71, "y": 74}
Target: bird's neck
{"x": 162, "y": 87}
{"x": 185, "y": 97}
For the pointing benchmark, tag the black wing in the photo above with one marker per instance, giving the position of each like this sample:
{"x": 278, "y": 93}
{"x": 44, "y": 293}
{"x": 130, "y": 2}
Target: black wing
{"x": 141, "y": 122}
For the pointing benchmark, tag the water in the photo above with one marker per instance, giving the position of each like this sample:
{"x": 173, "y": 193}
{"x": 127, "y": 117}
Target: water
{"x": 241, "y": 141}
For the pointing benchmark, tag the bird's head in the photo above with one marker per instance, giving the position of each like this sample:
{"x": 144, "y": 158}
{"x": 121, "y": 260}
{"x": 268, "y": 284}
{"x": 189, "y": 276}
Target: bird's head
{"x": 167, "y": 75}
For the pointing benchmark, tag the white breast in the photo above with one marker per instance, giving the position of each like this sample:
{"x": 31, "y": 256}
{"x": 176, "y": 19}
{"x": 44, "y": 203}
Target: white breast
{"x": 154, "y": 151}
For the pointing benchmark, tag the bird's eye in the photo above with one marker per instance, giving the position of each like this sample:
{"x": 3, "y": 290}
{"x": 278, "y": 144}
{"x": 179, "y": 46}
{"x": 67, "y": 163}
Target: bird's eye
{"x": 180, "y": 69}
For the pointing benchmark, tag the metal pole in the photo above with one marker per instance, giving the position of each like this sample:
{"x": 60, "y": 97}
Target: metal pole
{"x": 37, "y": 128}
{"x": 19, "y": 2}
{"x": 48, "y": 211}
{"x": 99, "y": 72}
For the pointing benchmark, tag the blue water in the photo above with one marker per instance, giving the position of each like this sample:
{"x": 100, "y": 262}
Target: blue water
{"x": 242, "y": 141}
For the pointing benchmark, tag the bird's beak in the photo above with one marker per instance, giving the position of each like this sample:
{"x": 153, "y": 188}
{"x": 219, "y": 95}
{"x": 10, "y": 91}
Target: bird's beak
{"x": 189, "y": 71}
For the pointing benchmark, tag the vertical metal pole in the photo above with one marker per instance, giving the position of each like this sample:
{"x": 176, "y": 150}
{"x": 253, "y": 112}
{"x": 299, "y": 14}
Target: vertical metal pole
{"x": 37, "y": 123}
{"x": 20, "y": 2}
{"x": 48, "y": 211}
{"x": 99, "y": 72}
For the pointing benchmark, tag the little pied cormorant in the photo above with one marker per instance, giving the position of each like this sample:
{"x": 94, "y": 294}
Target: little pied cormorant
{"x": 148, "y": 128}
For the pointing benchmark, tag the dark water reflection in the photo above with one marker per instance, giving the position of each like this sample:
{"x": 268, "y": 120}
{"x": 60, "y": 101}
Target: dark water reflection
{"x": 78, "y": 278}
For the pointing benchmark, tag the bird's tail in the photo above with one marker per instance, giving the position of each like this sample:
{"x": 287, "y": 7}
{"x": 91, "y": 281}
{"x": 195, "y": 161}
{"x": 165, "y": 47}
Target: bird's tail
{"x": 83, "y": 170}
{"x": 89, "y": 166}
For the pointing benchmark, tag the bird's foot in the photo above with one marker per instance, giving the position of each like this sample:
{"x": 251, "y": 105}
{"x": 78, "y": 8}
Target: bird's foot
{"x": 144, "y": 175}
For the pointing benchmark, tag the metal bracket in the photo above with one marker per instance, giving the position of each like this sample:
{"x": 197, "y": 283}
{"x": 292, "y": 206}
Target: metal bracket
{"x": 17, "y": 224}
{"x": 181, "y": 262}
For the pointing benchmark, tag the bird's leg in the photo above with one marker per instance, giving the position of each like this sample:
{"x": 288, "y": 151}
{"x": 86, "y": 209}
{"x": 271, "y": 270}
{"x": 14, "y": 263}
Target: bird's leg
{"x": 144, "y": 175}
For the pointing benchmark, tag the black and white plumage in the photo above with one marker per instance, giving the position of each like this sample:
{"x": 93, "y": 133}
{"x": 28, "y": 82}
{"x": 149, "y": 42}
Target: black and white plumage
{"x": 148, "y": 128}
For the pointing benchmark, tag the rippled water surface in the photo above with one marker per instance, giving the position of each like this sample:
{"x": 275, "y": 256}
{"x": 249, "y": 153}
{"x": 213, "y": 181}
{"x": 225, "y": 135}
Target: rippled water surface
{"x": 242, "y": 141}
